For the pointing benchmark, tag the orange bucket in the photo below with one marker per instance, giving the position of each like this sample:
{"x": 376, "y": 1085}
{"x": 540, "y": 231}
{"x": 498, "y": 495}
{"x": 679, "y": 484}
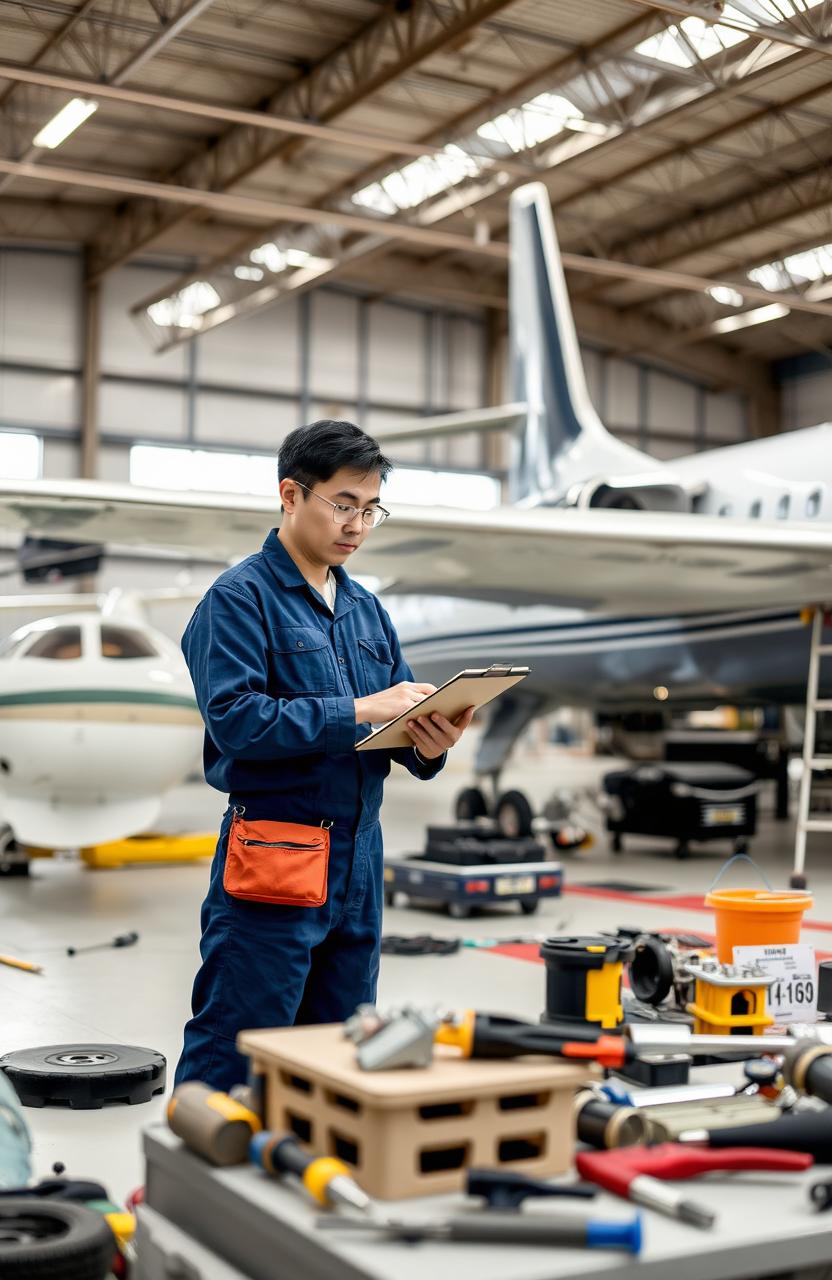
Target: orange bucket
{"x": 756, "y": 917}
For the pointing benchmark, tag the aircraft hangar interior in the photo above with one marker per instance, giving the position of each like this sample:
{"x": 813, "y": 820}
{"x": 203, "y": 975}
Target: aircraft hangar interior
{"x": 415, "y": 639}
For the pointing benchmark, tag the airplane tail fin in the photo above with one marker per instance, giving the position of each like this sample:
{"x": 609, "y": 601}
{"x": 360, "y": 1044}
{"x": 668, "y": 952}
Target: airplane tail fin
{"x": 564, "y": 442}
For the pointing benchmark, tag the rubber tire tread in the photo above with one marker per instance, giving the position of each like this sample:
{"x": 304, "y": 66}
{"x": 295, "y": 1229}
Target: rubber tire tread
{"x": 85, "y": 1253}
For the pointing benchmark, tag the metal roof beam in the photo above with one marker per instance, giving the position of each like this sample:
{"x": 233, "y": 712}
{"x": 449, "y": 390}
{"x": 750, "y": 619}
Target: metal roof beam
{"x": 779, "y": 33}
{"x": 169, "y": 29}
{"x": 398, "y": 39}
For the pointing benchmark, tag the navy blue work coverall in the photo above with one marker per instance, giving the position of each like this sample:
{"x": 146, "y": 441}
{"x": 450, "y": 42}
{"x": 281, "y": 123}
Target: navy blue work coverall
{"x": 276, "y": 675}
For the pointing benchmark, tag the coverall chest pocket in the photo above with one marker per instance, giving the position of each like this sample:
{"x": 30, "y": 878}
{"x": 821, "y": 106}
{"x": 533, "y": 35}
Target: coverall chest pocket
{"x": 301, "y": 662}
{"x": 376, "y": 663}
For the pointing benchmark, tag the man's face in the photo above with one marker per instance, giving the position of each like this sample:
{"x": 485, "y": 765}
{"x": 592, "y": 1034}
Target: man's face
{"x": 321, "y": 536}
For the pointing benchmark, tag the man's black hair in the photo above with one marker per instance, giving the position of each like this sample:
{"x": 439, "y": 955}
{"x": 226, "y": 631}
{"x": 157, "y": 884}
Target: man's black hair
{"x": 315, "y": 452}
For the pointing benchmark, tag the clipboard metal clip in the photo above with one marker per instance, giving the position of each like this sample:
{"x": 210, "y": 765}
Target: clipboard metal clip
{"x": 499, "y": 669}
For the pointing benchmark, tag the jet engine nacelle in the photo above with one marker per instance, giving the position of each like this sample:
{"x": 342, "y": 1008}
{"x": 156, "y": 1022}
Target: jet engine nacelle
{"x": 633, "y": 493}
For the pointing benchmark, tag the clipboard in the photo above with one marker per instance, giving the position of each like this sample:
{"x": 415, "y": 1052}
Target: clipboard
{"x": 471, "y": 688}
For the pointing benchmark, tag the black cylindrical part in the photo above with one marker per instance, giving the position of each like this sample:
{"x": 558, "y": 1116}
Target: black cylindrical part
{"x": 825, "y": 988}
{"x": 809, "y": 1131}
{"x": 606, "y": 1124}
{"x": 583, "y": 979}
{"x": 808, "y": 1068}
{"x": 651, "y": 970}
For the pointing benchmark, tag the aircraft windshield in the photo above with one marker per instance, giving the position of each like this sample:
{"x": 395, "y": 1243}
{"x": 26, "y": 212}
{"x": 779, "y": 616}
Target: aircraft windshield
{"x": 125, "y": 642}
{"x": 59, "y": 643}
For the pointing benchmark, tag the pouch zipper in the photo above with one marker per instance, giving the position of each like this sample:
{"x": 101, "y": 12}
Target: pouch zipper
{"x": 239, "y": 811}
{"x": 280, "y": 844}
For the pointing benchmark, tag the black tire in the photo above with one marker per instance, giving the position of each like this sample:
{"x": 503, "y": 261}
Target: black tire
{"x": 13, "y": 860}
{"x": 470, "y": 804}
{"x": 683, "y": 850}
{"x": 84, "y": 1075}
{"x": 9, "y": 869}
{"x": 388, "y": 899}
{"x": 459, "y": 910}
{"x": 741, "y": 845}
{"x": 617, "y": 842}
{"x": 528, "y": 905}
{"x": 53, "y": 1240}
{"x": 514, "y": 814}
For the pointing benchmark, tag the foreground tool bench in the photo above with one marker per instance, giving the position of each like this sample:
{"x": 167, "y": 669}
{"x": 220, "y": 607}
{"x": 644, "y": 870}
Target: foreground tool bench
{"x": 414, "y": 1132}
{"x": 267, "y": 1231}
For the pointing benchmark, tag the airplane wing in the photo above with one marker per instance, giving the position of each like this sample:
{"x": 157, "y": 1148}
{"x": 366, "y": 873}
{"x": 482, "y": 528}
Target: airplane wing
{"x": 604, "y": 560}
{"x": 504, "y": 417}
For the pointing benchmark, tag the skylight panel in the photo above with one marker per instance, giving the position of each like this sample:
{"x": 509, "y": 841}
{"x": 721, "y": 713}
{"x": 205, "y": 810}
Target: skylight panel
{"x": 797, "y": 268}
{"x": 186, "y": 308}
{"x": 537, "y": 121}
{"x": 416, "y": 182}
{"x": 691, "y": 40}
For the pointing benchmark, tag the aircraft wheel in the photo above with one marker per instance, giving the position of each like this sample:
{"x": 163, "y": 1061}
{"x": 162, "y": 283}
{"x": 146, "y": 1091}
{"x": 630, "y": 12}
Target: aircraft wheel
{"x": 53, "y": 1240}
{"x": 514, "y": 814}
{"x": 470, "y": 804}
{"x": 459, "y": 910}
{"x": 617, "y": 843}
{"x": 84, "y": 1075}
{"x": 683, "y": 849}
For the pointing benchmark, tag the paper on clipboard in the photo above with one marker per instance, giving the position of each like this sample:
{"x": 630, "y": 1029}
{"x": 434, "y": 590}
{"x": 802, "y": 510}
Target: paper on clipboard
{"x": 470, "y": 688}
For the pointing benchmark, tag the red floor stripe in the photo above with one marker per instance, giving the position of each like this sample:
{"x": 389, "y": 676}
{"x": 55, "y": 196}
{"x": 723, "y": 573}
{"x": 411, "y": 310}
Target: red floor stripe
{"x": 530, "y": 951}
{"x": 684, "y": 902}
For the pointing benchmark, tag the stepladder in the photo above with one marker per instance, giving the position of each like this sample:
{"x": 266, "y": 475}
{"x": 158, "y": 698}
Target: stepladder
{"x": 815, "y": 763}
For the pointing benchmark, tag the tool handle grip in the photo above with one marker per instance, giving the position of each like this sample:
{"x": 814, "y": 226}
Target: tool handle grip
{"x": 278, "y": 1153}
{"x": 615, "y": 1170}
{"x": 564, "y": 1230}
{"x": 810, "y": 1133}
{"x": 818, "y": 1079}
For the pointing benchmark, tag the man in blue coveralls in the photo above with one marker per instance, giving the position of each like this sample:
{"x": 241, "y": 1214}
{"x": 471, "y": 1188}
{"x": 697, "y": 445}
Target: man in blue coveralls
{"x": 290, "y": 658}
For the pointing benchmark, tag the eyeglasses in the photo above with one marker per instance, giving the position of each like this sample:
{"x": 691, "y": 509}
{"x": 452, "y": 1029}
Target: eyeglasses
{"x": 341, "y": 514}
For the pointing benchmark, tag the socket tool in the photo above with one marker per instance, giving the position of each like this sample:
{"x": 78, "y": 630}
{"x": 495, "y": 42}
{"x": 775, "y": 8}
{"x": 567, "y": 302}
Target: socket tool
{"x": 506, "y": 1189}
{"x": 638, "y": 1173}
{"x": 496, "y": 1227}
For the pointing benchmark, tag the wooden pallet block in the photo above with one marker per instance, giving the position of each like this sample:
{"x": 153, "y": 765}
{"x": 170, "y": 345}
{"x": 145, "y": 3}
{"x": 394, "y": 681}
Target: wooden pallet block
{"x": 415, "y": 1131}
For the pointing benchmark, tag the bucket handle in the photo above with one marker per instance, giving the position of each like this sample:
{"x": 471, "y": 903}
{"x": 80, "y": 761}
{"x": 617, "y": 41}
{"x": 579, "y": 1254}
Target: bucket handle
{"x": 729, "y": 862}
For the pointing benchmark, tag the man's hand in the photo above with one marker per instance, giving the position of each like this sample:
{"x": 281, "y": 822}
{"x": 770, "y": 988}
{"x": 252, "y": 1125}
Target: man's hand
{"x": 435, "y": 734}
{"x": 378, "y": 708}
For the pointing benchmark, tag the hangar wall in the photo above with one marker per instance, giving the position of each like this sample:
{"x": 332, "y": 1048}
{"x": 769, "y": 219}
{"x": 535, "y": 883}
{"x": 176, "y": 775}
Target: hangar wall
{"x": 243, "y": 386}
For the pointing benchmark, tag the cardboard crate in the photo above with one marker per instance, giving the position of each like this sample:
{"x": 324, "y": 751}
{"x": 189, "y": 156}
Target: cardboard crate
{"x": 415, "y": 1131}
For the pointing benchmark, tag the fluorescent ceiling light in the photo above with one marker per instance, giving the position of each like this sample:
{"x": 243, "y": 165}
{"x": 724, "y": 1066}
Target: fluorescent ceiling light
{"x": 727, "y": 297}
{"x": 760, "y": 315}
{"x": 248, "y": 273}
{"x": 68, "y": 119}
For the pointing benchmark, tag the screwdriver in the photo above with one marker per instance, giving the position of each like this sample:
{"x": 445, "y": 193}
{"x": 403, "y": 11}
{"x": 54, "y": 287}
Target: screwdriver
{"x": 326, "y": 1179}
{"x": 808, "y": 1131}
{"x": 486, "y": 1035}
{"x": 496, "y": 1227}
{"x": 123, "y": 940}
{"x": 634, "y": 1173}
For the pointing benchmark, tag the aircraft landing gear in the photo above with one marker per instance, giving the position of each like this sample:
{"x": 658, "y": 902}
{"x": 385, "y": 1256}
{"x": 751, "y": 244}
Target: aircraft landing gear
{"x": 514, "y": 814}
{"x": 470, "y": 804}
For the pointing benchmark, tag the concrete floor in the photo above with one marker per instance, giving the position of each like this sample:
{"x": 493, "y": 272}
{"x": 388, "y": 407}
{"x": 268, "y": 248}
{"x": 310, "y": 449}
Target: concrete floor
{"x": 141, "y": 995}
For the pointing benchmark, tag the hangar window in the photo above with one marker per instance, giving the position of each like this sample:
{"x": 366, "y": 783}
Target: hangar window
{"x": 20, "y": 456}
{"x": 125, "y": 642}
{"x": 727, "y": 509}
{"x": 59, "y": 643}
{"x": 756, "y": 509}
{"x": 783, "y": 506}
{"x": 813, "y": 503}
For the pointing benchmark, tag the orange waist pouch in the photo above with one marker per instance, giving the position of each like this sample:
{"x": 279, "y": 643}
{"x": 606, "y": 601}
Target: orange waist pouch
{"x": 279, "y": 862}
